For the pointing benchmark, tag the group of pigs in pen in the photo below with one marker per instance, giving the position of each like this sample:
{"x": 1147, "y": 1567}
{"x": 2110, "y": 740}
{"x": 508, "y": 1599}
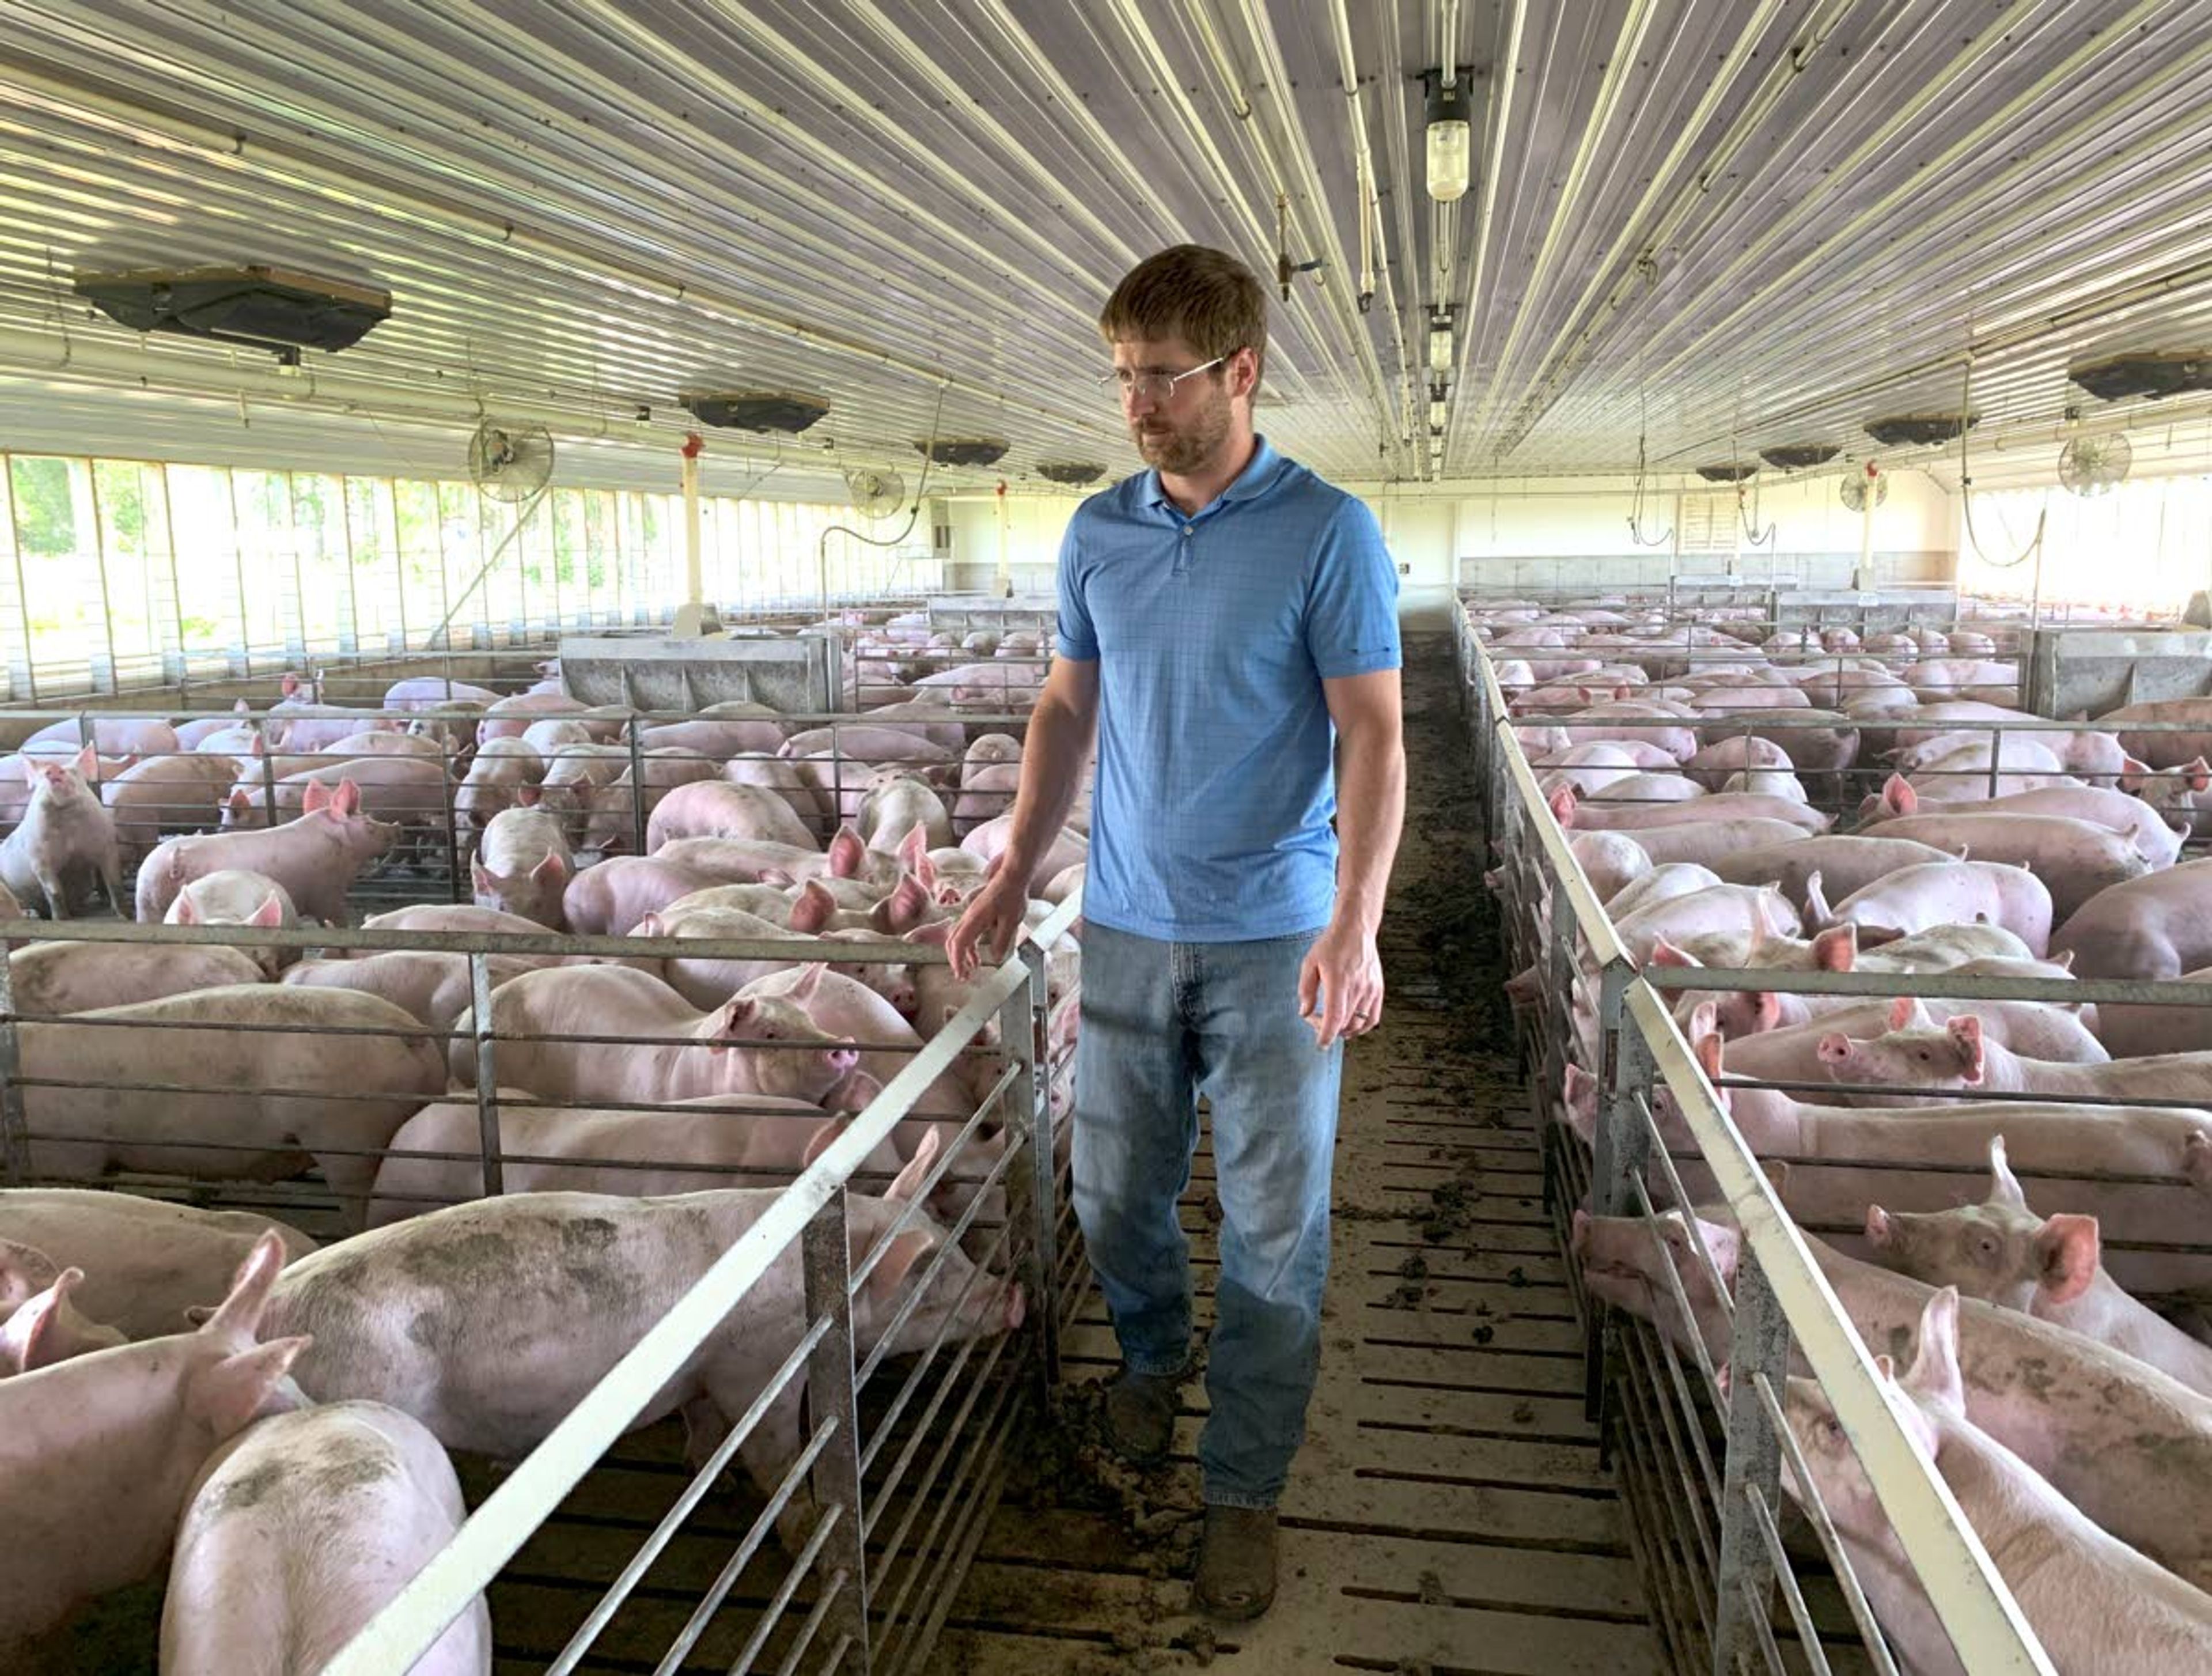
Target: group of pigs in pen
{"x": 1683, "y": 760}
{"x": 272, "y": 1418}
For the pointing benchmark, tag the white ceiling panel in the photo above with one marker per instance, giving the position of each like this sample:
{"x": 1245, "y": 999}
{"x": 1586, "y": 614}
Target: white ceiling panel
{"x": 1730, "y": 223}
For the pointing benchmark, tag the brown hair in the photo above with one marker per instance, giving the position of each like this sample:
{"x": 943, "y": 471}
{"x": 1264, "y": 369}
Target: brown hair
{"x": 1206, "y": 297}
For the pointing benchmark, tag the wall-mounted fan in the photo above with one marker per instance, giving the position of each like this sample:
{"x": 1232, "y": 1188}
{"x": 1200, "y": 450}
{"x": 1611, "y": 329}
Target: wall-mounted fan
{"x": 876, "y": 494}
{"x": 2095, "y": 465}
{"x": 1853, "y": 489}
{"x": 510, "y": 462}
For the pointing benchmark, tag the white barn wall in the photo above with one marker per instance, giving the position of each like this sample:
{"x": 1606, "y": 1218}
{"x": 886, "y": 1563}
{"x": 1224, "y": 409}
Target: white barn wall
{"x": 1538, "y": 532}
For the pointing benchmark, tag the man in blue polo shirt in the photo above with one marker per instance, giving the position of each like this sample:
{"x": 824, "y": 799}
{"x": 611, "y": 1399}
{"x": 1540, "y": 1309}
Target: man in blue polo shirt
{"x": 1228, "y": 626}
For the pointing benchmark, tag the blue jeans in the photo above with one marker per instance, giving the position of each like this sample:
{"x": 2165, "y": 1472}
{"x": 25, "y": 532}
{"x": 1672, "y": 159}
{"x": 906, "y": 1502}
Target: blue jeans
{"x": 1162, "y": 1023}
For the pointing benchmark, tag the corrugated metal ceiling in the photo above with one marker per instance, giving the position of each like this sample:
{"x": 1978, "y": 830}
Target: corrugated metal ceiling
{"x": 1736, "y": 222}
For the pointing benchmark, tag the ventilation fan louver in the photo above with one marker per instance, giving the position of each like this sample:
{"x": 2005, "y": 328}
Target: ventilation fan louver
{"x": 875, "y": 494}
{"x": 1727, "y": 473}
{"x": 1069, "y": 470}
{"x": 1853, "y": 491}
{"x": 510, "y": 462}
{"x": 1797, "y": 456}
{"x": 2091, "y": 466}
{"x": 1909, "y": 430}
{"x": 965, "y": 450}
{"x": 787, "y": 411}
{"x": 2154, "y": 374}
{"x": 266, "y": 308}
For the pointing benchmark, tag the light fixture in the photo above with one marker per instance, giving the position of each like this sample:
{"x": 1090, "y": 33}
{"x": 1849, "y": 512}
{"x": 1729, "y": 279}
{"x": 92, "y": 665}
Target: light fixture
{"x": 1437, "y": 416}
{"x": 1440, "y": 344}
{"x": 1451, "y": 138}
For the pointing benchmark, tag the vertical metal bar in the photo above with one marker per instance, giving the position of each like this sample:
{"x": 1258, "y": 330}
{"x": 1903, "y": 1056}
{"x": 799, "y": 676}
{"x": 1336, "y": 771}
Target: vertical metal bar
{"x": 296, "y": 636}
{"x": 495, "y": 1172}
{"x": 22, "y": 594}
{"x": 107, "y": 588}
{"x": 183, "y": 671}
{"x": 1029, "y": 1191}
{"x": 1624, "y": 1143}
{"x": 636, "y": 781}
{"x": 242, "y": 664}
{"x": 1761, "y": 1345}
{"x": 350, "y": 640}
{"x": 399, "y": 559}
{"x": 14, "y": 1129}
{"x": 826, "y": 1252}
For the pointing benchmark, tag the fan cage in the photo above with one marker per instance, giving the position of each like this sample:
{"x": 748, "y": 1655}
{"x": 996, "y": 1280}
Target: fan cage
{"x": 787, "y": 411}
{"x": 1727, "y": 473}
{"x": 965, "y": 450}
{"x": 1070, "y": 472}
{"x": 1919, "y": 429}
{"x": 2156, "y": 375}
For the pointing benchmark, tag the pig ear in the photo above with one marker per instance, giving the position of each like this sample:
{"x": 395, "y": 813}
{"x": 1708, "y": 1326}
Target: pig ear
{"x": 1723, "y": 1245}
{"x": 811, "y": 912}
{"x": 2199, "y": 774}
{"x": 1562, "y": 804}
{"x": 347, "y": 798}
{"x": 226, "y": 1397}
{"x": 30, "y": 766}
{"x": 1901, "y": 794}
{"x": 1934, "y": 1374}
{"x": 269, "y": 916}
{"x": 240, "y": 1314}
{"x": 27, "y": 1333}
{"x": 1966, "y": 1030}
{"x": 1766, "y": 1011}
{"x": 316, "y": 797}
{"x": 2068, "y": 1246}
{"x": 903, "y": 1252}
{"x": 914, "y": 849}
{"x": 1901, "y": 1011}
{"x": 241, "y": 708}
{"x": 183, "y": 911}
{"x": 1879, "y": 1228}
{"x": 527, "y": 796}
{"x": 1835, "y": 949}
{"x": 25, "y": 1271}
{"x": 736, "y": 1015}
{"x": 1664, "y": 953}
{"x": 482, "y": 877}
{"x": 935, "y": 933}
{"x": 908, "y": 1185}
{"x": 1818, "y": 916}
{"x": 1708, "y": 1056}
{"x": 824, "y": 1137}
{"x": 1776, "y": 1171}
{"x": 1834, "y": 1048}
{"x": 259, "y": 747}
{"x": 808, "y": 981}
{"x": 848, "y": 855}
{"x": 1704, "y": 1018}
{"x": 290, "y": 685}
{"x": 552, "y": 870}
{"x": 87, "y": 761}
{"x": 650, "y": 926}
{"x": 2004, "y": 1185}
{"x": 2064, "y": 958}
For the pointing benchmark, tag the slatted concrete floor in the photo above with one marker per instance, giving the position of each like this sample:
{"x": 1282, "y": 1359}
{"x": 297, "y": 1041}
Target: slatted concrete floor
{"x": 1448, "y": 1514}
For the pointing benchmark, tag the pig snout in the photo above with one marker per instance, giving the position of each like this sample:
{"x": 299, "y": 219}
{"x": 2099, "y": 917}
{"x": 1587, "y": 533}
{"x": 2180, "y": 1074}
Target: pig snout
{"x": 1017, "y": 1309}
{"x": 842, "y": 1059}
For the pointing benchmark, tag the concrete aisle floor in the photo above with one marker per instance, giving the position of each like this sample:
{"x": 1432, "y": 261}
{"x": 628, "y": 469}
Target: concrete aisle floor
{"x": 1448, "y": 1514}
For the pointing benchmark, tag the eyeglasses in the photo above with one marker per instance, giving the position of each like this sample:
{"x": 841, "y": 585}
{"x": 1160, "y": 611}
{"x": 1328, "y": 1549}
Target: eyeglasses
{"x": 1158, "y": 389}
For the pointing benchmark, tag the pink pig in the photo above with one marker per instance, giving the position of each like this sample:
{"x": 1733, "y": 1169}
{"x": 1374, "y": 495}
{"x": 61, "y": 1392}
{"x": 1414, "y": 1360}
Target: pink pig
{"x": 97, "y": 1455}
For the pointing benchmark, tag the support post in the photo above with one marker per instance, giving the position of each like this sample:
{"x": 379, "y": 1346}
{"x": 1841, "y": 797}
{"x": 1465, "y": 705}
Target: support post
{"x": 1761, "y": 1346}
{"x": 831, "y": 1401}
{"x": 1031, "y": 1201}
{"x": 495, "y": 1173}
{"x": 15, "y": 1136}
{"x": 1623, "y": 1146}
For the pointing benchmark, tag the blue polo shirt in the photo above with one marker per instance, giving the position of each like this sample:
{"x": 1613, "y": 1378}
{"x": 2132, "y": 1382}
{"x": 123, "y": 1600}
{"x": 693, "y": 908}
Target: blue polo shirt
{"x": 1209, "y": 822}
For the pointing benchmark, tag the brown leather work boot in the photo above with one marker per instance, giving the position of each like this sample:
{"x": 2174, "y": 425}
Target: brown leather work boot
{"x": 1236, "y": 1577}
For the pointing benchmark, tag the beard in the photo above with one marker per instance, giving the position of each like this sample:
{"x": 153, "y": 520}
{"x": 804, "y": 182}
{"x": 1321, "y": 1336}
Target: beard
{"x": 1183, "y": 447}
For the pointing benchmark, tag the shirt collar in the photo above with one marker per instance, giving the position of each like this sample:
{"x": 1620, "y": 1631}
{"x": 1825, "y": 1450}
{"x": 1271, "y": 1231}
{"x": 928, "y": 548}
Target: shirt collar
{"x": 1252, "y": 481}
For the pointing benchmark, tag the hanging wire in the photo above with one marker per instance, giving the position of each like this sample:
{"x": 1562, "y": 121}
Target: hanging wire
{"x": 1966, "y": 489}
{"x": 1747, "y": 520}
{"x": 921, "y": 489}
{"x": 1642, "y": 434}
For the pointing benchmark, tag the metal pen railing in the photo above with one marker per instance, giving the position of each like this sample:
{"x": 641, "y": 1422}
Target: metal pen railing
{"x": 1780, "y": 1301}
{"x": 905, "y": 1475}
